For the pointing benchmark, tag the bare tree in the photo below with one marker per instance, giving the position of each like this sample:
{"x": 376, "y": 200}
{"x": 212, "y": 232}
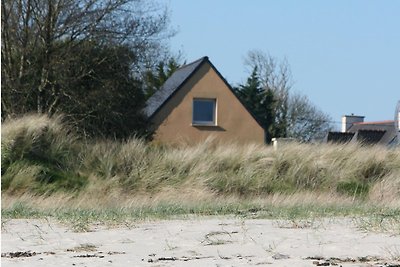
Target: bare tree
{"x": 272, "y": 73}
{"x": 305, "y": 121}
{"x": 39, "y": 38}
{"x": 274, "y": 76}
{"x": 295, "y": 115}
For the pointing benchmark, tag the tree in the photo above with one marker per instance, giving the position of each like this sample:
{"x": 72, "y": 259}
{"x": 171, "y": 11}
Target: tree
{"x": 154, "y": 79}
{"x": 274, "y": 77}
{"x": 306, "y": 122}
{"x": 107, "y": 100}
{"x": 294, "y": 115}
{"x": 252, "y": 95}
{"x": 42, "y": 40}
{"x": 259, "y": 101}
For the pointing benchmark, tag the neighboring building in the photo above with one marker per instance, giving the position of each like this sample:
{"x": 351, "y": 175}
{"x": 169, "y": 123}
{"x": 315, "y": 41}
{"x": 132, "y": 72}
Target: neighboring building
{"x": 354, "y": 129}
{"x": 196, "y": 102}
{"x": 397, "y": 121}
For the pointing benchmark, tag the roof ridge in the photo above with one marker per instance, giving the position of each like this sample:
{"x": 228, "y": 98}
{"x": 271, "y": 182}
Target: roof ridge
{"x": 374, "y": 122}
{"x": 193, "y": 62}
{"x": 371, "y": 130}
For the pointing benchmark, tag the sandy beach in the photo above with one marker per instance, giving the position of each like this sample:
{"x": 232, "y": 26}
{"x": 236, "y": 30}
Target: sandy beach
{"x": 203, "y": 241}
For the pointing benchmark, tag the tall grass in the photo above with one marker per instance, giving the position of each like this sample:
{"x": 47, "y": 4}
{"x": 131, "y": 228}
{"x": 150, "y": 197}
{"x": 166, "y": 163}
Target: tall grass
{"x": 43, "y": 157}
{"x": 40, "y": 155}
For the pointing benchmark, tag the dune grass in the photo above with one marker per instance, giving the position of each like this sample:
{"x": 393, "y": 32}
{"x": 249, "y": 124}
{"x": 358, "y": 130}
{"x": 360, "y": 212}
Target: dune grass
{"x": 47, "y": 169}
{"x": 297, "y": 210}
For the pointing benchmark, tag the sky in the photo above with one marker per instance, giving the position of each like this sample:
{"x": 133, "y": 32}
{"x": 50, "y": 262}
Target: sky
{"x": 344, "y": 54}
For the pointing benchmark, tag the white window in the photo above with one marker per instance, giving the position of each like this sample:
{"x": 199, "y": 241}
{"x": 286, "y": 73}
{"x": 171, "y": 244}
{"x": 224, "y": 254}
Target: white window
{"x": 204, "y": 111}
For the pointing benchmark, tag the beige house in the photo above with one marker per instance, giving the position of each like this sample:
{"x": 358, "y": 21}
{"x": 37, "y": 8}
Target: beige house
{"x": 196, "y": 103}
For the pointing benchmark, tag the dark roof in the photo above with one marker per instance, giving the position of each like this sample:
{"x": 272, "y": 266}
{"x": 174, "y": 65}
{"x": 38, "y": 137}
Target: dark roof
{"x": 369, "y": 137}
{"x": 173, "y": 83}
{"x": 339, "y": 137}
{"x": 368, "y": 133}
{"x": 368, "y": 129}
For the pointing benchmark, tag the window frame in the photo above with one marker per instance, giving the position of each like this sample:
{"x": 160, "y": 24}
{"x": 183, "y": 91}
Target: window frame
{"x": 205, "y": 123}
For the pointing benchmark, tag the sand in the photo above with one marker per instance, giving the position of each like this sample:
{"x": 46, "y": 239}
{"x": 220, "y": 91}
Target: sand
{"x": 203, "y": 241}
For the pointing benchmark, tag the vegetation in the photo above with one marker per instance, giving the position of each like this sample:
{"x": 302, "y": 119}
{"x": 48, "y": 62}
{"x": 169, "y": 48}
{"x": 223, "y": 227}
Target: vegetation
{"x": 283, "y": 113}
{"x": 46, "y": 165}
{"x": 154, "y": 79}
{"x": 97, "y": 62}
{"x": 261, "y": 102}
{"x": 83, "y": 58}
{"x": 80, "y": 218}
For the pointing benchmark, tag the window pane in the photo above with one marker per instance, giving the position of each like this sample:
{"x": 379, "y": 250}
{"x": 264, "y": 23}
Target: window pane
{"x": 203, "y": 111}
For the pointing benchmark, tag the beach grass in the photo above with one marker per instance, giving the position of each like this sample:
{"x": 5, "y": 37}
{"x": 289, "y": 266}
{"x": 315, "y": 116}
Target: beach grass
{"x": 48, "y": 171}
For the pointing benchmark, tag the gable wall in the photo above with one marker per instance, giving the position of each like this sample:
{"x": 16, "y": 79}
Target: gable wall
{"x": 234, "y": 123}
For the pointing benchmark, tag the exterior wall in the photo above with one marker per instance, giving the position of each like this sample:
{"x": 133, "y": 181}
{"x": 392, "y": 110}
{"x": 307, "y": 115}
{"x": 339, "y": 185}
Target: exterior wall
{"x": 173, "y": 122}
{"x": 349, "y": 120}
{"x": 397, "y": 119}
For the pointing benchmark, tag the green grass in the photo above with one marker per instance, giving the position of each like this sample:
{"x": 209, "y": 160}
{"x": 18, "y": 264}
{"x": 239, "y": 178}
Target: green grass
{"x": 353, "y": 188}
{"x": 368, "y": 217}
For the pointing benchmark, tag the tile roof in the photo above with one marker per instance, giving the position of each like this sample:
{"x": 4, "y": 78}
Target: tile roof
{"x": 173, "y": 83}
{"x": 388, "y": 122}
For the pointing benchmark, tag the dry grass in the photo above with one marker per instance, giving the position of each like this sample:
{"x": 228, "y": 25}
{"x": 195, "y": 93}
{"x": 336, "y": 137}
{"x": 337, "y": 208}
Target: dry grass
{"x": 46, "y": 165}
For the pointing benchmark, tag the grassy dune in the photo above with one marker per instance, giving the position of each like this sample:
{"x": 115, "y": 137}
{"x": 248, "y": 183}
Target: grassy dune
{"x": 46, "y": 169}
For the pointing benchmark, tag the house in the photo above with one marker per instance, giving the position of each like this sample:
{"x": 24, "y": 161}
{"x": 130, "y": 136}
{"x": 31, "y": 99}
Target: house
{"x": 195, "y": 103}
{"x": 354, "y": 129}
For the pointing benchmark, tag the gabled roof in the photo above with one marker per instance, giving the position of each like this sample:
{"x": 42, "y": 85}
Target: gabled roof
{"x": 370, "y": 129}
{"x": 369, "y": 136}
{"x": 177, "y": 80}
{"x": 368, "y": 133}
{"x": 173, "y": 83}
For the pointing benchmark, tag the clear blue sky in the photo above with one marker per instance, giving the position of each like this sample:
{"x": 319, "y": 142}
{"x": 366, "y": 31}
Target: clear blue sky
{"x": 344, "y": 54}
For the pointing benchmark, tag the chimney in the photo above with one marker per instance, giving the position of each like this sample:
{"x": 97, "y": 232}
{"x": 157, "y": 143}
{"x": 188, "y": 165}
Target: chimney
{"x": 348, "y": 120}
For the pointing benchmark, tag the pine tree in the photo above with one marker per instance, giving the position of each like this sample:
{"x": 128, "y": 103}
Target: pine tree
{"x": 269, "y": 104}
{"x": 260, "y": 102}
{"x": 156, "y": 78}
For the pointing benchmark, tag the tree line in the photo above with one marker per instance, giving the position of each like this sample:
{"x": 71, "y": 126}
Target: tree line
{"x": 97, "y": 61}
